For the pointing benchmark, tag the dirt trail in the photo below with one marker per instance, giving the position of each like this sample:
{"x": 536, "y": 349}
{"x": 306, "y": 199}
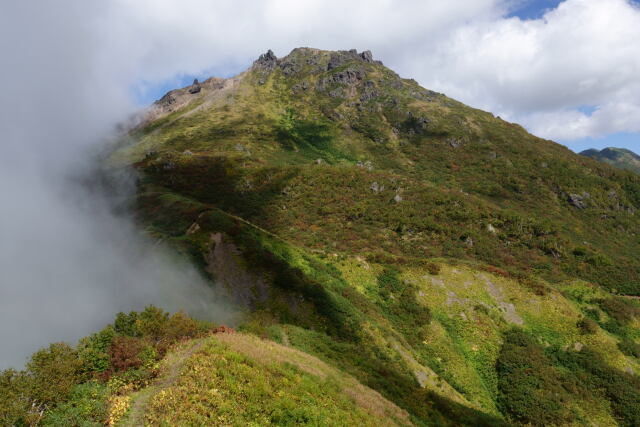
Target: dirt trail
{"x": 135, "y": 415}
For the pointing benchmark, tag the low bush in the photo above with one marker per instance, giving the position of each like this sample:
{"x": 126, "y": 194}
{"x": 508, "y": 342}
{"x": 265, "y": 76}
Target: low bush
{"x": 621, "y": 310}
{"x": 629, "y": 347}
{"x": 433, "y": 268}
{"x": 125, "y": 353}
{"x": 595, "y": 376}
{"x": 52, "y": 373}
{"x": 587, "y": 326}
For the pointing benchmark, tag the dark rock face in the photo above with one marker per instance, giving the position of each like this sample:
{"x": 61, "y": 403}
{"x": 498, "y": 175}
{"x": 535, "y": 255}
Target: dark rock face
{"x": 195, "y": 87}
{"x": 166, "y": 100}
{"x": 348, "y": 76}
{"x": 367, "y": 56}
{"x": 369, "y": 91}
{"x": 266, "y": 61}
{"x": 289, "y": 68}
{"x": 341, "y": 57}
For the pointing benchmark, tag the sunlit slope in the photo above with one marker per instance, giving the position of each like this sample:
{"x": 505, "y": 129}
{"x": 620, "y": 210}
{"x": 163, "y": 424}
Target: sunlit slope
{"x": 238, "y": 379}
{"x": 333, "y": 150}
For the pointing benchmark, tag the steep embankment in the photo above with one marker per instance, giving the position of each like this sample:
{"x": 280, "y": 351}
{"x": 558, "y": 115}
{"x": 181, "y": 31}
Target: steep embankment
{"x": 460, "y": 266}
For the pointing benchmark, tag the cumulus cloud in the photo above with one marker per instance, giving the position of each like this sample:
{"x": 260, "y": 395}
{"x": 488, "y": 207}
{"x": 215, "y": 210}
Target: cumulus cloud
{"x": 538, "y": 72}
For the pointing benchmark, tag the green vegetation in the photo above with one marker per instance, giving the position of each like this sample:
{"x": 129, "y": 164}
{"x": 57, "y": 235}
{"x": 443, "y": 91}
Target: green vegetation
{"x": 397, "y": 240}
{"x": 250, "y": 382}
{"x": 618, "y": 157}
{"x": 401, "y": 236}
{"x": 62, "y": 385}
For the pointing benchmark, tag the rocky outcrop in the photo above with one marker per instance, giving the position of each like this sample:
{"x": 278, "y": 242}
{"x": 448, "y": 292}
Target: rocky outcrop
{"x": 225, "y": 264}
{"x": 267, "y": 61}
{"x": 195, "y": 87}
{"x": 578, "y": 200}
{"x": 367, "y": 56}
{"x": 342, "y": 57}
{"x": 350, "y": 75}
{"x": 369, "y": 91}
{"x": 167, "y": 100}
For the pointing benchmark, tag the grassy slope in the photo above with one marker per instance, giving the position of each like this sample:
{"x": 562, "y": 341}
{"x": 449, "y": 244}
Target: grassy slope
{"x": 330, "y": 263}
{"x": 242, "y": 380}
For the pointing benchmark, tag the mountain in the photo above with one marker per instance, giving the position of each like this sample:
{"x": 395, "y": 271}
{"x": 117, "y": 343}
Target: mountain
{"x": 454, "y": 266}
{"x": 618, "y": 157}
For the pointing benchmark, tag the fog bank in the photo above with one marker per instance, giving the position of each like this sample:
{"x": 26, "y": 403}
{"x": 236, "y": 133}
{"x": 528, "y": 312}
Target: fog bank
{"x": 68, "y": 264}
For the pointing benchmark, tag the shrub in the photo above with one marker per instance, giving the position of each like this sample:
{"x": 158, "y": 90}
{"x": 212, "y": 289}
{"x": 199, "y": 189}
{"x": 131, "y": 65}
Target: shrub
{"x": 125, "y": 324}
{"x": 125, "y": 353}
{"x": 93, "y": 351}
{"x": 152, "y": 322}
{"x": 629, "y": 347}
{"x": 14, "y": 404}
{"x": 53, "y": 372}
{"x": 595, "y": 376}
{"x": 87, "y": 406}
{"x": 182, "y": 326}
{"x": 622, "y": 311}
{"x": 433, "y": 268}
{"x": 531, "y": 391}
{"x": 497, "y": 271}
{"x": 587, "y": 326}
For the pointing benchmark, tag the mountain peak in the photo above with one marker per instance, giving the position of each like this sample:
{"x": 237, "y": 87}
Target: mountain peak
{"x": 298, "y": 57}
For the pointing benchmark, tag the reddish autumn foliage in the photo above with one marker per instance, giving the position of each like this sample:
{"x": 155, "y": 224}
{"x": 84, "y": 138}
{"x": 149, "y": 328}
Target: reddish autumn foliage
{"x": 124, "y": 353}
{"x": 224, "y": 330}
{"x": 498, "y": 271}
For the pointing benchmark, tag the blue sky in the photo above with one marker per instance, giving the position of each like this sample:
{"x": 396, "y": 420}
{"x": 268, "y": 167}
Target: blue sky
{"x": 532, "y": 9}
{"x": 535, "y": 9}
{"x": 594, "y": 135}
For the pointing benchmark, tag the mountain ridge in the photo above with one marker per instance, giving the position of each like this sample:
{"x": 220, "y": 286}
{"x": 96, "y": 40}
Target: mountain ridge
{"x": 467, "y": 271}
{"x": 618, "y": 157}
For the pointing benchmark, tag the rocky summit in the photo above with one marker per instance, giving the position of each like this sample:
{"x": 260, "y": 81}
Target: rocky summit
{"x": 399, "y": 258}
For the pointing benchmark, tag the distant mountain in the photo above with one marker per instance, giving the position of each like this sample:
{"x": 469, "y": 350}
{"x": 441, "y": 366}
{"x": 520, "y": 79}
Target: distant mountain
{"x": 618, "y": 157}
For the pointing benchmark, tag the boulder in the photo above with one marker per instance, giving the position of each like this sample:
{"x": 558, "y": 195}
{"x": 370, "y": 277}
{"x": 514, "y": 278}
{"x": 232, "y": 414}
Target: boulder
{"x": 578, "y": 200}
{"x": 367, "y": 56}
{"x": 455, "y": 143}
{"x": 195, "y": 87}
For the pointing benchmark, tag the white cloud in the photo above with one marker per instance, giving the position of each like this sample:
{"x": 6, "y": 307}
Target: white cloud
{"x": 537, "y": 72}
{"x": 540, "y": 71}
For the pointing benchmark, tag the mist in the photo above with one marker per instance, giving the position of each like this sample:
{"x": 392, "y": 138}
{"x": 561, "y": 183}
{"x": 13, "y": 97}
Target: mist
{"x": 68, "y": 262}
